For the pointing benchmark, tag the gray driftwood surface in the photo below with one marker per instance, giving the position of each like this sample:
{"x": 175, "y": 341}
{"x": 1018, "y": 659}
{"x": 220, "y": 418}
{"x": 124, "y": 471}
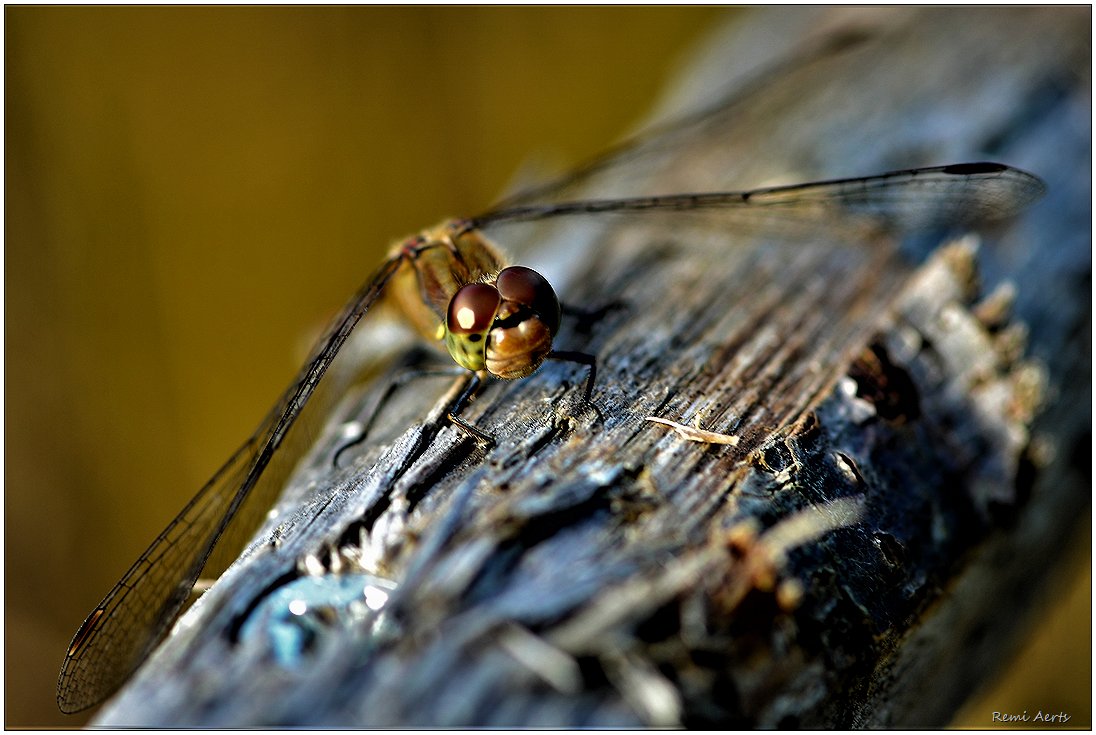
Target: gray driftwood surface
{"x": 913, "y": 442}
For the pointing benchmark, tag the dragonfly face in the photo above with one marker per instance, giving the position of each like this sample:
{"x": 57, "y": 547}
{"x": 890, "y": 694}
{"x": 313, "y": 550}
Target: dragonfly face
{"x": 505, "y": 327}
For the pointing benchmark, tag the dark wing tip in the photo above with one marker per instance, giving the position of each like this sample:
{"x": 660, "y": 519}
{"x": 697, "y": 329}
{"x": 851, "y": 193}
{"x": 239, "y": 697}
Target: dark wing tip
{"x": 1026, "y": 188}
{"x": 978, "y": 167}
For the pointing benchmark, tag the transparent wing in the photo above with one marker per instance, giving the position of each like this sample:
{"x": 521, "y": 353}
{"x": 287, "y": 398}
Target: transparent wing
{"x": 941, "y": 196}
{"x": 136, "y": 613}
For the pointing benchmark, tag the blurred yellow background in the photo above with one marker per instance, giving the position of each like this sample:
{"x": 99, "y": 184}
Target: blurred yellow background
{"x": 191, "y": 191}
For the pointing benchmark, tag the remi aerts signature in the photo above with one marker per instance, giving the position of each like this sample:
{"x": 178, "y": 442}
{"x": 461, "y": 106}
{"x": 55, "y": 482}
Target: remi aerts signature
{"x": 1040, "y": 716}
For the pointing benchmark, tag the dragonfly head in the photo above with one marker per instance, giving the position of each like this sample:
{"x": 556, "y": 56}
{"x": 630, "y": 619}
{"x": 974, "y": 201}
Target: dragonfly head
{"x": 506, "y": 327}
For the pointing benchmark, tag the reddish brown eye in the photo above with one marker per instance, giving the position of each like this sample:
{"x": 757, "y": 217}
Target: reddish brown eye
{"x": 472, "y": 309}
{"x": 527, "y": 287}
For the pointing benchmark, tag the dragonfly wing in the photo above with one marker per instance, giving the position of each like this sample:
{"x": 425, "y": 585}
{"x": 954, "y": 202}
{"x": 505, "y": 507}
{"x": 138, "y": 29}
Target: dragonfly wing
{"x": 122, "y": 630}
{"x": 915, "y": 199}
{"x": 957, "y": 195}
{"x": 129, "y": 621}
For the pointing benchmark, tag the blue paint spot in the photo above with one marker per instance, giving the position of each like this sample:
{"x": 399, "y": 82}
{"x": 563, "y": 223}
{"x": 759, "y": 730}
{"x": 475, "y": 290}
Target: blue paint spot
{"x": 294, "y": 619}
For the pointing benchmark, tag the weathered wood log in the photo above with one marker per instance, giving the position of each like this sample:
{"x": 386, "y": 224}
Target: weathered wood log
{"x": 905, "y": 463}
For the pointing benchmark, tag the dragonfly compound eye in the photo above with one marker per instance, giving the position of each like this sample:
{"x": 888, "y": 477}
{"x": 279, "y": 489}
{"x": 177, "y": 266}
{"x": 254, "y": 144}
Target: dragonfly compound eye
{"x": 517, "y": 346}
{"x": 471, "y": 312}
{"x": 528, "y": 288}
{"x": 526, "y": 322}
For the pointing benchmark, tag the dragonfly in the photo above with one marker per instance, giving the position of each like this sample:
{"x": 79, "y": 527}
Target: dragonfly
{"x": 456, "y": 289}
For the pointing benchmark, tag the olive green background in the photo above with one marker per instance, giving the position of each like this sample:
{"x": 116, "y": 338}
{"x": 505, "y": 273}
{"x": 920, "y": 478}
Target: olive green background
{"x": 192, "y": 192}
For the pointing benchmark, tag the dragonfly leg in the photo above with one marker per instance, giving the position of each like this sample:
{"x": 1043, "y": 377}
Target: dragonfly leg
{"x": 479, "y": 435}
{"x": 402, "y": 379}
{"x": 580, "y": 358}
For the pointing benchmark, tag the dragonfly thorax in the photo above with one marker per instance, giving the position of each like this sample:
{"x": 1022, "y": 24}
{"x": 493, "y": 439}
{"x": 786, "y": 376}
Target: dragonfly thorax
{"x": 505, "y": 326}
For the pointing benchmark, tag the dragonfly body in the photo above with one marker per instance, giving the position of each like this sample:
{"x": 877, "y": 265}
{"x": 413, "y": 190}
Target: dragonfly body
{"x": 453, "y": 285}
